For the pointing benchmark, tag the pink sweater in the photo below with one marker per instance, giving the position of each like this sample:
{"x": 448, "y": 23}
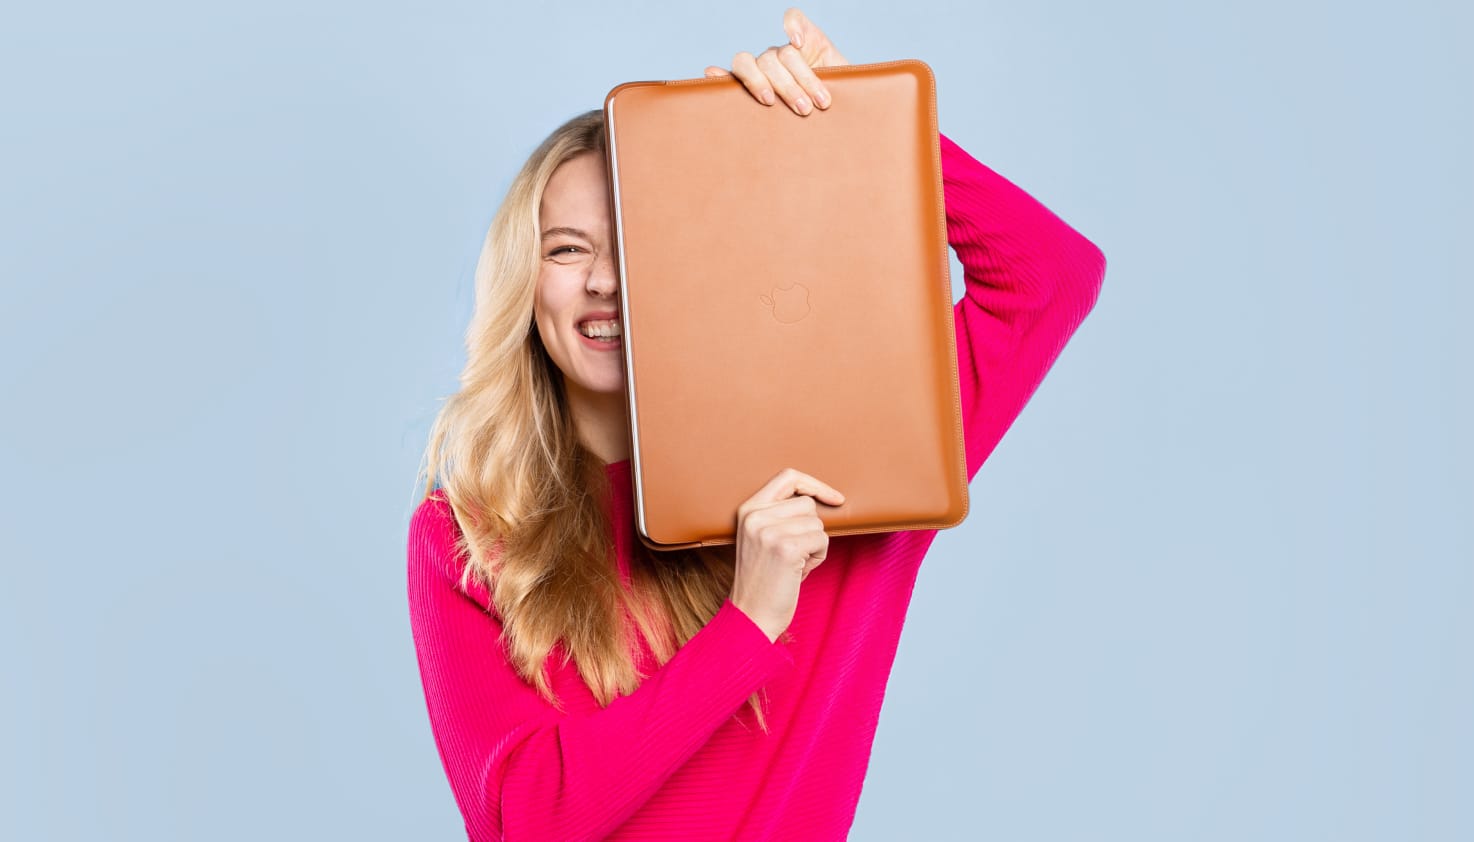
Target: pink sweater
{"x": 682, "y": 758}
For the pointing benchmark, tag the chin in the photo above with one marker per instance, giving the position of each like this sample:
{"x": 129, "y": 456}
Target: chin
{"x": 612, "y": 387}
{"x": 604, "y": 383}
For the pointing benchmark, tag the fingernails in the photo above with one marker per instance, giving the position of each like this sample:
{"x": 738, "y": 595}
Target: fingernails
{"x": 801, "y": 105}
{"x": 768, "y": 98}
{"x": 822, "y": 97}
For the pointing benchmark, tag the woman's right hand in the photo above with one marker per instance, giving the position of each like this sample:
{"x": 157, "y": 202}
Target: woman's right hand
{"x": 780, "y": 539}
{"x": 787, "y": 68}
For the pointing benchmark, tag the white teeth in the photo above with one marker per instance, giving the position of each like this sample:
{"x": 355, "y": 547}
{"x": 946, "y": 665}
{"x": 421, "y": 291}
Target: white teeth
{"x": 601, "y": 330}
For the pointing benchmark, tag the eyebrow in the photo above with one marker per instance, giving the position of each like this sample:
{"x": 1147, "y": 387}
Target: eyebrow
{"x": 563, "y": 229}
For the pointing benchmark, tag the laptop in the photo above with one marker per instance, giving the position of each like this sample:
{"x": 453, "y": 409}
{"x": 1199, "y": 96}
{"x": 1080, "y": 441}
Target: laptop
{"x": 786, "y": 302}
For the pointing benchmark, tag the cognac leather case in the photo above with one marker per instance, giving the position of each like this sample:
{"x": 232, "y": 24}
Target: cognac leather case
{"x": 786, "y": 301}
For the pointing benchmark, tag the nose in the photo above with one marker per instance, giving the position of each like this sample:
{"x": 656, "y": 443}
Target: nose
{"x": 603, "y": 277}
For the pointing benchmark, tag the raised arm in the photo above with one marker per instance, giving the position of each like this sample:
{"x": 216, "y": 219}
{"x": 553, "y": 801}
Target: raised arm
{"x": 517, "y": 767}
{"x": 1030, "y": 281}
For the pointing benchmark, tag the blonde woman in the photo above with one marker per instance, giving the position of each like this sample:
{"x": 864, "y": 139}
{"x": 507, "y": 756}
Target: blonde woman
{"x": 582, "y": 687}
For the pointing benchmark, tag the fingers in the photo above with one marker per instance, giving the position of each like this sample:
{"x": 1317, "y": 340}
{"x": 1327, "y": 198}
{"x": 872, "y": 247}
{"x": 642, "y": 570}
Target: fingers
{"x": 781, "y": 77}
{"x": 801, "y": 484}
{"x": 804, "y": 75}
{"x": 817, "y": 549}
{"x": 745, "y": 68}
{"x": 813, "y": 561}
{"x": 787, "y": 71}
{"x": 780, "y": 72}
{"x": 788, "y": 482}
{"x": 797, "y": 26}
{"x": 818, "y": 50}
{"x": 806, "y": 542}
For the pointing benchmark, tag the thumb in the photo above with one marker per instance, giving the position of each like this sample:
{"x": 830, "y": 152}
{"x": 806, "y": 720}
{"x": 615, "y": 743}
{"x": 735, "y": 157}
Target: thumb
{"x": 794, "y": 24}
{"x": 713, "y": 71}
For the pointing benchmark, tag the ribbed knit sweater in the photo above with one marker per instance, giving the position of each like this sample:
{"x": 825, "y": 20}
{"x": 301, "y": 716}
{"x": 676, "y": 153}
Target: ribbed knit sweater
{"x": 681, "y": 758}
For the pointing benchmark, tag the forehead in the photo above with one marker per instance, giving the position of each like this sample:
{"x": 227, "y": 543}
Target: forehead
{"x": 577, "y": 195}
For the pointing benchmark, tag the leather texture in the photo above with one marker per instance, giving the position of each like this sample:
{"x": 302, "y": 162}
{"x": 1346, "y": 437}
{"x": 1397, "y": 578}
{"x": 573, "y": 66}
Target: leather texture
{"x": 786, "y": 301}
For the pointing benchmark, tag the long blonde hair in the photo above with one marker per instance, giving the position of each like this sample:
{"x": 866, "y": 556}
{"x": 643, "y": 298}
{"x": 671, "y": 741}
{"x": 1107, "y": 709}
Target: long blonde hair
{"x": 530, "y": 498}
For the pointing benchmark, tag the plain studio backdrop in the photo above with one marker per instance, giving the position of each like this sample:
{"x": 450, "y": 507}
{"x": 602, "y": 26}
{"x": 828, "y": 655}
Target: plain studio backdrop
{"x": 1216, "y": 581}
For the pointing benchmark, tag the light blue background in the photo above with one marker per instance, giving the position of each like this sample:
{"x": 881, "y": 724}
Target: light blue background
{"x": 1216, "y": 583}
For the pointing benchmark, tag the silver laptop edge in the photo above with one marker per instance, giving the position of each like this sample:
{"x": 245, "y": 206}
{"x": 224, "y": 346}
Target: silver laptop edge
{"x": 624, "y": 310}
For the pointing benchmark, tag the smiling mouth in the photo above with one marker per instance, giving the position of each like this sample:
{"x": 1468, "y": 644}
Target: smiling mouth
{"x": 601, "y": 330}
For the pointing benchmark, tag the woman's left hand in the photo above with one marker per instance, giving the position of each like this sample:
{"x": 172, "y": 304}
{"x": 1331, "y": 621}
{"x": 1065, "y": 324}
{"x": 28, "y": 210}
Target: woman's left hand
{"x": 788, "y": 68}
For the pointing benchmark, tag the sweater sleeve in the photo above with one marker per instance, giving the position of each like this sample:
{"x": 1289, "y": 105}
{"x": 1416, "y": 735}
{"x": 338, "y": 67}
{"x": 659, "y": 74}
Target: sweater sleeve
{"x": 517, "y": 767}
{"x": 1030, "y": 279}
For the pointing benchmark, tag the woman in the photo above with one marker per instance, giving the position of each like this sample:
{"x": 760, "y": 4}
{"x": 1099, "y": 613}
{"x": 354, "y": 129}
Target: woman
{"x": 581, "y": 687}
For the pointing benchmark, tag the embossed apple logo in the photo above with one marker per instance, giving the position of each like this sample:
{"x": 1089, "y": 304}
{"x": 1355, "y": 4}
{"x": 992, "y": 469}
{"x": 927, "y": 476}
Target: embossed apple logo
{"x": 788, "y": 304}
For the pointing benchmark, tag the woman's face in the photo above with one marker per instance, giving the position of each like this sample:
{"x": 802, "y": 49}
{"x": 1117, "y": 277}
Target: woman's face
{"x": 578, "y": 280}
